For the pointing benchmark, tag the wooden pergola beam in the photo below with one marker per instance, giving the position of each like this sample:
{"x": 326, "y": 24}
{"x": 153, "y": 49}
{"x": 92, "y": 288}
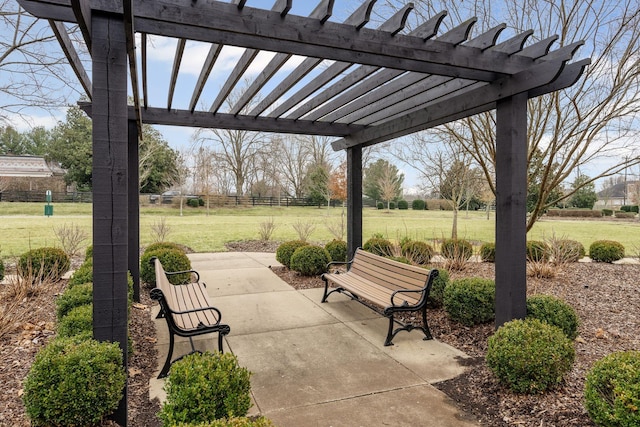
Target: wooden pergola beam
{"x": 72, "y": 56}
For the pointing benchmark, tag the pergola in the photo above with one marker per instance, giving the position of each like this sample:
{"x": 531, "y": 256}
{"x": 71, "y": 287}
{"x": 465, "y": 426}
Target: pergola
{"x": 361, "y": 85}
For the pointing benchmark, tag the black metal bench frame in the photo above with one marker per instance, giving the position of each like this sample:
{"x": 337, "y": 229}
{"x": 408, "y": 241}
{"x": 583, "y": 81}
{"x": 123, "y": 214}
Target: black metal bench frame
{"x": 202, "y": 310}
{"x": 385, "y": 282}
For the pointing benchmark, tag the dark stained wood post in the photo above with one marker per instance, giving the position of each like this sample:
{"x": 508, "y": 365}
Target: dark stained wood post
{"x": 134, "y": 209}
{"x": 511, "y": 209}
{"x": 354, "y": 199}
{"x": 110, "y": 186}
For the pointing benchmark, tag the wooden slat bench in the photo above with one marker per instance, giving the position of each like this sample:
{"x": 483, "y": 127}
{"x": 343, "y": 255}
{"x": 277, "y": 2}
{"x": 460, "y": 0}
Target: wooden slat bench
{"x": 391, "y": 285}
{"x": 187, "y": 310}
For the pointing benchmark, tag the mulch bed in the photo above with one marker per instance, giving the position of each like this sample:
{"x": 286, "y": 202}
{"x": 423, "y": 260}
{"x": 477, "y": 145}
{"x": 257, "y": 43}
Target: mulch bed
{"x": 605, "y": 296}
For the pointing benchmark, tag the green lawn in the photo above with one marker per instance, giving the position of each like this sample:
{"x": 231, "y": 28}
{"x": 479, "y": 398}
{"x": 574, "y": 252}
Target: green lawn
{"x": 24, "y": 226}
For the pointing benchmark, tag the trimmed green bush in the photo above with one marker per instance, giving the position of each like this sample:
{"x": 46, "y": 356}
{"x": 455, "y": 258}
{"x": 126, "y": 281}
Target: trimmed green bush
{"x": 629, "y": 208}
{"x": 456, "y": 249}
{"x": 606, "y": 251}
{"x": 537, "y": 251}
{"x": 88, "y": 253}
{"x": 379, "y": 246}
{"x": 418, "y": 252}
{"x": 310, "y": 260}
{"x": 234, "y": 422}
{"x": 171, "y": 259}
{"x": 337, "y": 250}
{"x": 529, "y": 355}
{"x": 555, "y": 312}
{"x": 44, "y": 263}
{"x": 403, "y": 205}
{"x": 162, "y": 245}
{"x": 286, "y": 249}
{"x": 436, "y": 296}
{"x": 203, "y": 387}
{"x": 77, "y": 322}
{"x": 607, "y": 212}
{"x": 392, "y": 205}
{"x": 84, "y": 274}
{"x": 488, "y": 252}
{"x": 74, "y": 383}
{"x": 72, "y": 298}
{"x": 470, "y": 301}
{"x": 418, "y": 205}
{"x": 612, "y": 390}
{"x": 380, "y": 205}
{"x": 194, "y": 203}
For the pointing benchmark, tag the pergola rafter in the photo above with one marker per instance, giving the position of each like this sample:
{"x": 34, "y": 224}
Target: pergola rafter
{"x": 358, "y": 84}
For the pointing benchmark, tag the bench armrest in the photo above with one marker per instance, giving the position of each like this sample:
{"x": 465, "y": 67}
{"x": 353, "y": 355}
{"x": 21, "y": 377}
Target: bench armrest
{"x": 196, "y": 310}
{"x": 173, "y": 273}
{"x": 338, "y": 263}
{"x": 404, "y": 291}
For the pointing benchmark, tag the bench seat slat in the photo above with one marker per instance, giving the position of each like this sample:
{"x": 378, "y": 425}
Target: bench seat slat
{"x": 372, "y": 291}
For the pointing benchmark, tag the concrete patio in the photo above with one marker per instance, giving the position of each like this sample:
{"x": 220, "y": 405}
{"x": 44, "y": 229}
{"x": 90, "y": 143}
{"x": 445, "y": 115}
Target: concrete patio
{"x": 319, "y": 364}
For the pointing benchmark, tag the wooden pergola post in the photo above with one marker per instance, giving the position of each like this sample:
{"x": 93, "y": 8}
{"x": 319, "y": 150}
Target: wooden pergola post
{"x": 354, "y": 199}
{"x": 511, "y": 209}
{"x": 110, "y": 186}
{"x": 134, "y": 208}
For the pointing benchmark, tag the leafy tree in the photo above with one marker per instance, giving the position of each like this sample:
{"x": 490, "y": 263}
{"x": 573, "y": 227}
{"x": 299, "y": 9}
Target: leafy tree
{"x": 539, "y": 191}
{"x": 374, "y": 173}
{"x": 585, "y": 193}
{"x": 72, "y": 147}
{"x": 318, "y": 185}
{"x": 158, "y": 162}
{"x": 338, "y": 182}
{"x": 37, "y": 141}
{"x": 12, "y": 142}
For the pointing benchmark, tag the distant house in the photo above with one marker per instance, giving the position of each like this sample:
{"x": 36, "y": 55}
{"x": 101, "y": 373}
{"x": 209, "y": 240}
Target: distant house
{"x": 30, "y": 173}
{"x": 624, "y": 193}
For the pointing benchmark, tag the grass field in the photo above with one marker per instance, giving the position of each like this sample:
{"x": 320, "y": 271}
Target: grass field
{"x": 24, "y": 226}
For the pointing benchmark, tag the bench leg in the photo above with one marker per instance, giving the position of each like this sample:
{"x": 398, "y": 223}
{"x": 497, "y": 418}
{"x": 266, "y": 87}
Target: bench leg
{"x": 390, "y": 333}
{"x": 425, "y": 328}
{"x": 167, "y": 364}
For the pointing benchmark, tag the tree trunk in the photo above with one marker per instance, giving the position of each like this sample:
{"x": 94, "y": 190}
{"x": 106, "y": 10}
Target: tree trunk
{"x": 454, "y": 227}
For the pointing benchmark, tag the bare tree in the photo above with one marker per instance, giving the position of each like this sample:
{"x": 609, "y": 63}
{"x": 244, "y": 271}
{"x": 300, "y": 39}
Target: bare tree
{"x": 32, "y": 66}
{"x": 235, "y": 150}
{"x": 388, "y": 183}
{"x": 592, "y": 123}
{"x": 292, "y": 156}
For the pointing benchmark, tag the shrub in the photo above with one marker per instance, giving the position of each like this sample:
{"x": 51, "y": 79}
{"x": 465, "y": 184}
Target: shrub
{"x": 537, "y": 251}
{"x": 171, "y": 259}
{"x": 401, "y": 259}
{"x": 379, "y": 246}
{"x": 403, "y": 205}
{"x": 200, "y": 201}
{"x": 392, "y": 205}
{"x": 417, "y": 252}
{"x": 380, "y": 205}
{"x": 88, "y": 253}
{"x": 74, "y": 383}
{"x": 72, "y": 298}
{"x": 555, "y": 312}
{"x": 622, "y": 214}
{"x": 612, "y": 390}
{"x": 194, "y": 203}
{"x": 607, "y": 212}
{"x": 286, "y": 249}
{"x": 606, "y": 251}
{"x": 77, "y": 322}
{"x": 488, "y": 252}
{"x": 569, "y": 251}
{"x": 436, "y": 296}
{"x": 162, "y": 245}
{"x": 418, "y": 205}
{"x": 203, "y": 387}
{"x": 310, "y": 260}
{"x": 337, "y": 250}
{"x": 629, "y": 208}
{"x": 470, "y": 301}
{"x": 84, "y": 274}
{"x": 44, "y": 263}
{"x": 234, "y": 422}
{"x": 529, "y": 355}
{"x": 456, "y": 249}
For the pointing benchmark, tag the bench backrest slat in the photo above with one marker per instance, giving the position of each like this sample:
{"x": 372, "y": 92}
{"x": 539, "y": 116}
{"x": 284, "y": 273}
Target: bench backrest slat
{"x": 389, "y": 273}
